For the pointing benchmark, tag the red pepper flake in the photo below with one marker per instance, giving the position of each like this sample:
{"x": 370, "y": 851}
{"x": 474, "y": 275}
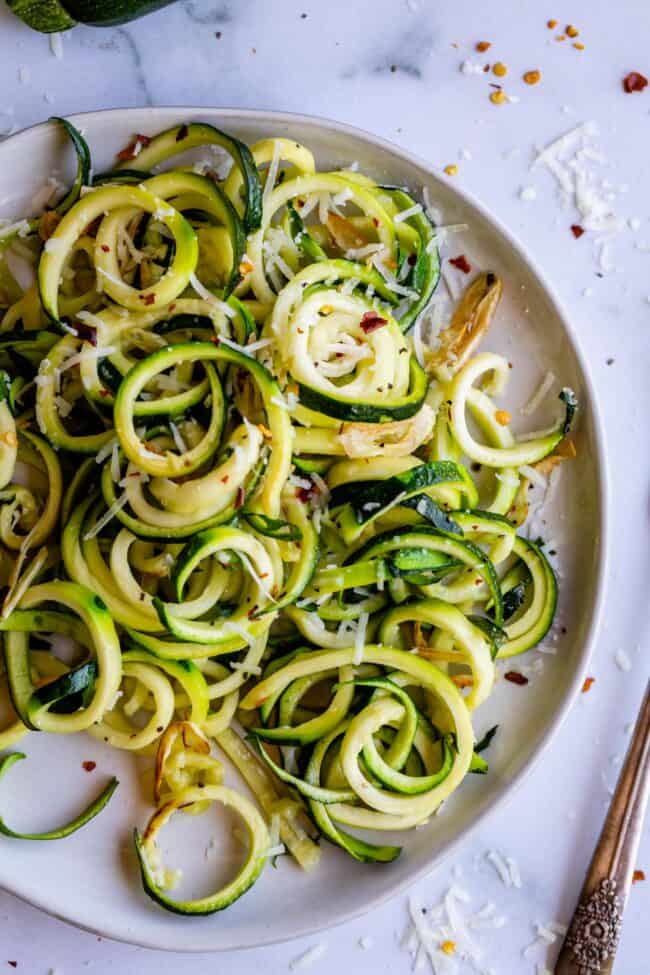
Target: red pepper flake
{"x": 305, "y": 493}
{"x": 516, "y": 678}
{"x": 148, "y": 299}
{"x": 225, "y": 479}
{"x": 89, "y": 766}
{"x": 104, "y": 392}
{"x": 239, "y": 500}
{"x": 461, "y": 263}
{"x": 172, "y": 307}
{"x": 634, "y": 81}
{"x": 638, "y": 876}
{"x": 412, "y": 260}
{"x": 182, "y": 133}
{"x": 371, "y": 321}
{"x": 577, "y": 230}
{"x": 587, "y": 684}
{"x": 132, "y": 150}
{"x": 106, "y": 248}
{"x": 301, "y": 203}
{"x": 375, "y": 221}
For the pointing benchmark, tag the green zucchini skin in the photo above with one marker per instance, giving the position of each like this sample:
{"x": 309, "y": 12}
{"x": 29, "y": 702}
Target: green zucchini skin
{"x": 84, "y": 165}
{"x": 48, "y": 16}
{"x": 370, "y": 411}
{"x": 182, "y": 137}
{"x": 425, "y": 274}
{"x": 61, "y": 832}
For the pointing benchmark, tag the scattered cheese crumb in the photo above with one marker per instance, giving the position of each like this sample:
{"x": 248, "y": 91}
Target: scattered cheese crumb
{"x": 56, "y": 45}
{"x": 308, "y": 958}
{"x": 469, "y": 67}
{"x": 623, "y": 661}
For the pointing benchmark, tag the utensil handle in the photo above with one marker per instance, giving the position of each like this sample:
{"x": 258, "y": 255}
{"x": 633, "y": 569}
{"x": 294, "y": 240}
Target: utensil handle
{"x": 592, "y": 939}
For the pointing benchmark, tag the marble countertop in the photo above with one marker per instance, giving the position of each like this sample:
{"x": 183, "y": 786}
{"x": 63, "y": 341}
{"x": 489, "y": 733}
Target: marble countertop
{"x": 393, "y": 67}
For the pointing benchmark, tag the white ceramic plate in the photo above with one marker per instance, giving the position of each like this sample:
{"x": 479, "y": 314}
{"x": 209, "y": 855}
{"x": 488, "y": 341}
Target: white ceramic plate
{"x": 91, "y": 879}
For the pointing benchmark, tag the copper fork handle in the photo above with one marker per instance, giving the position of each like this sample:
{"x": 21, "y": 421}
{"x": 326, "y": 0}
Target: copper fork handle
{"x": 592, "y": 939}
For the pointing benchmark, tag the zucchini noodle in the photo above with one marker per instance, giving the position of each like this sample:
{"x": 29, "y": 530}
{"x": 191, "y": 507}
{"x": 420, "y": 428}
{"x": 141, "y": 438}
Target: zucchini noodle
{"x": 240, "y": 489}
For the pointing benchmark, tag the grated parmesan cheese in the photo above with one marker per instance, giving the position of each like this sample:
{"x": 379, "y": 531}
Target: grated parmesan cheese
{"x": 308, "y": 958}
{"x": 500, "y": 865}
{"x": 405, "y": 214}
{"x": 272, "y": 173}
{"x": 207, "y": 295}
{"x": 539, "y": 394}
{"x": 56, "y": 45}
{"x": 623, "y": 661}
{"x": 117, "y": 505}
{"x": 360, "y": 639}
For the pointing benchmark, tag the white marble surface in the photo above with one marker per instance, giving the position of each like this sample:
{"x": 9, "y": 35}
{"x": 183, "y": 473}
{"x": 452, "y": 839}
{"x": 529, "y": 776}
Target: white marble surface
{"x": 393, "y": 67}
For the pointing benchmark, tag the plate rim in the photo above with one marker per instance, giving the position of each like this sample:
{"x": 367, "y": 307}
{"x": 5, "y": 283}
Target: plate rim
{"x": 603, "y": 495}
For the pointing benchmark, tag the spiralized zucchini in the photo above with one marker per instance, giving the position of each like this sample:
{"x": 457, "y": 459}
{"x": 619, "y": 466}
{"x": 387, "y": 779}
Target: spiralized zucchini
{"x": 242, "y": 499}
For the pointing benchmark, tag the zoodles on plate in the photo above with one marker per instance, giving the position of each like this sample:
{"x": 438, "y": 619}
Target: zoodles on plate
{"x": 249, "y": 507}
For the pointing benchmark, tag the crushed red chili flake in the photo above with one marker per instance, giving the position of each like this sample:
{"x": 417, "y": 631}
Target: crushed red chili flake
{"x": 371, "y": 321}
{"x": 577, "y": 230}
{"x": 131, "y": 151}
{"x": 105, "y": 248}
{"x": 304, "y": 494}
{"x": 239, "y": 500}
{"x": 461, "y": 263}
{"x": 225, "y": 479}
{"x": 104, "y": 392}
{"x": 412, "y": 260}
{"x": 516, "y": 678}
{"x": 89, "y": 766}
{"x": 634, "y": 81}
{"x": 638, "y": 876}
{"x": 182, "y": 133}
{"x": 587, "y": 684}
{"x": 148, "y": 299}
{"x": 375, "y": 221}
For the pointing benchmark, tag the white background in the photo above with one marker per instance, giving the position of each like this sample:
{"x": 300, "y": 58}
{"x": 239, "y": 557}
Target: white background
{"x": 337, "y": 62}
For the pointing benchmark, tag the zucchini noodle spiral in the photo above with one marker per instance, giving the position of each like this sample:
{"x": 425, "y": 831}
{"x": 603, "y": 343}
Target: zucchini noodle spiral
{"x": 239, "y": 492}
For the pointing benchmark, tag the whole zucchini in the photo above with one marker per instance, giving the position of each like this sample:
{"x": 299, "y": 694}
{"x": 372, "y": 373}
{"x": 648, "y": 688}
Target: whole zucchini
{"x": 49, "y": 16}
